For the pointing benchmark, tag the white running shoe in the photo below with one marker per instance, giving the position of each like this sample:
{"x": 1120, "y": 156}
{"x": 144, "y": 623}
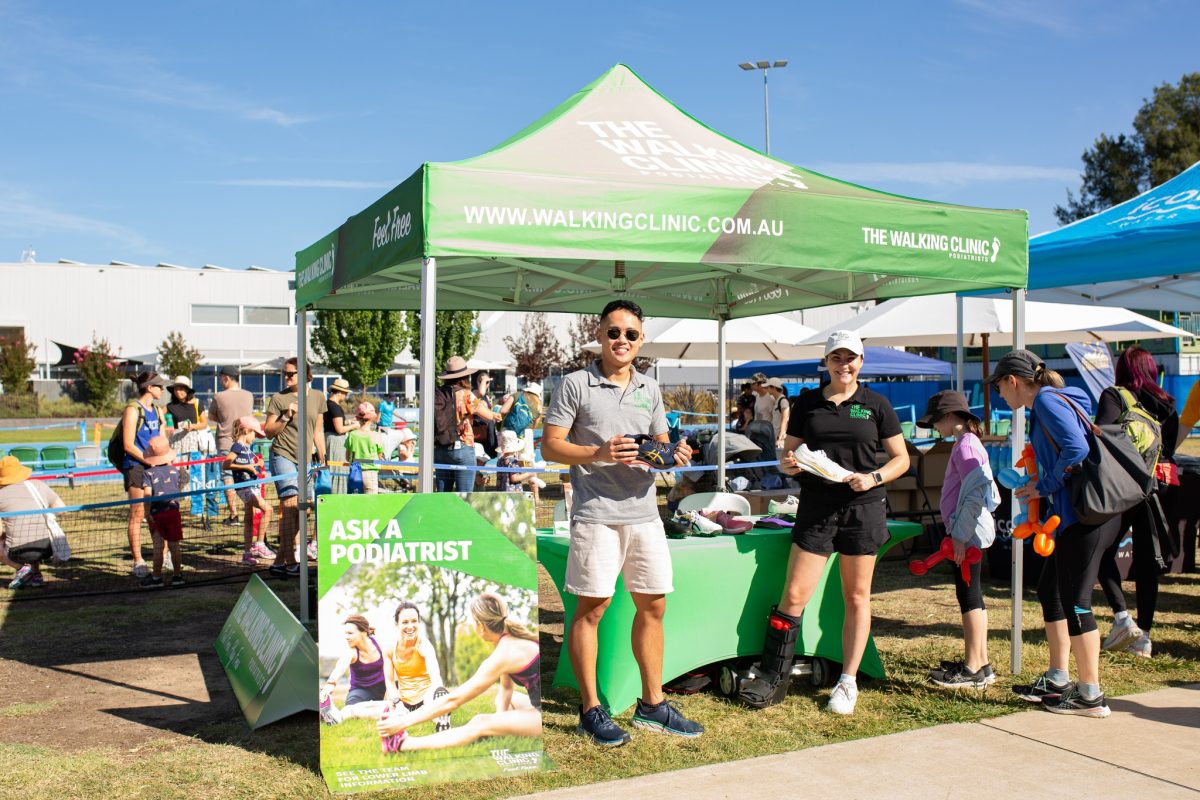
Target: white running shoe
{"x": 1141, "y": 647}
{"x": 168, "y": 564}
{"x": 1123, "y": 634}
{"x": 789, "y": 506}
{"x": 702, "y": 525}
{"x": 140, "y": 570}
{"x": 843, "y": 699}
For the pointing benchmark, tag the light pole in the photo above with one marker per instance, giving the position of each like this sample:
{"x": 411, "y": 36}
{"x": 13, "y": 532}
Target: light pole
{"x": 764, "y": 66}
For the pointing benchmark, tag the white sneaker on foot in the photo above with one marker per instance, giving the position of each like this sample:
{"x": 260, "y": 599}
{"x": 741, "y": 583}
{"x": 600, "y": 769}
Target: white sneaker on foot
{"x": 1123, "y": 634}
{"x": 140, "y": 570}
{"x": 168, "y": 564}
{"x": 843, "y": 699}
{"x": 1141, "y": 647}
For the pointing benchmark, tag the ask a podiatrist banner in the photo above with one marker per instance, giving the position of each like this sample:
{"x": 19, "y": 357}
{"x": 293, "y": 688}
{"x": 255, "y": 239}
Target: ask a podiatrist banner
{"x": 427, "y": 612}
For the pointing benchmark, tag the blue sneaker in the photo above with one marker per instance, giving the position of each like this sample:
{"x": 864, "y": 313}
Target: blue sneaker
{"x": 597, "y": 725}
{"x": 665, "y": 718}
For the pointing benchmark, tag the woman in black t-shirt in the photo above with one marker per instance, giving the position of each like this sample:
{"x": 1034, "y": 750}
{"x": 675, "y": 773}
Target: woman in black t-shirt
{"x": 188, "y": 419}
{"x": 851, "y": 424}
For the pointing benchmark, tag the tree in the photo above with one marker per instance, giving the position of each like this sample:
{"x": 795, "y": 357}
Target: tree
{"x": 457, "y": 335}
{"x": 100, "y": 372}
{"x": 361, "y": 346}
{"x": 1165, "y": 142}
{"x": 536, "y": 350}
{"x": 176, "y": 357}
{"x": 17, "y": 363}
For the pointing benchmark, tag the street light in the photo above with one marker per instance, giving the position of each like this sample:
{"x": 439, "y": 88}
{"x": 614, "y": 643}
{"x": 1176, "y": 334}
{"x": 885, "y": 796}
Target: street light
{"x": 764, "y": 66}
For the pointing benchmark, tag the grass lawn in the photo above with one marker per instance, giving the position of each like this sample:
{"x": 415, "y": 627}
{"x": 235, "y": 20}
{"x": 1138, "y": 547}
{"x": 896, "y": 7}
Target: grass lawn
{"x": 121, "y": 696}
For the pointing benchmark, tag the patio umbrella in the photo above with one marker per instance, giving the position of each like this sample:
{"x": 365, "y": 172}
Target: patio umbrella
{"x": 771, "y": 337}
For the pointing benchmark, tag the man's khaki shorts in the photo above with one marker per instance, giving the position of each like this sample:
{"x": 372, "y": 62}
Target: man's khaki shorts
{"x": 599, "y": 553}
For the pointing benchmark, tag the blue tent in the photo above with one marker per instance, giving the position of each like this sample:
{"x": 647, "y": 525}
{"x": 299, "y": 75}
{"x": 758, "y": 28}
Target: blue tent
{"x": 877, "y": 362}
{"x": 1143, "y": 253}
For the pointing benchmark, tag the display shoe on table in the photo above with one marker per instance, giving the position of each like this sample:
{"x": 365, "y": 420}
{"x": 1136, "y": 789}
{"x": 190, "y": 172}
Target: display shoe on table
{"x": 729, "y": 523}
{"x": 701, "y": 525}
{"x": 678, "y": 526}
{"x": 788, "y": 506}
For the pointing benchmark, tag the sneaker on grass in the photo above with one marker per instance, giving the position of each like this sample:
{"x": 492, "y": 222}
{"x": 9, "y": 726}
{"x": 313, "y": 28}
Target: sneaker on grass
{"x": 1040, "y": 689}
{"x": 1072, "y": 702}
{"x": 168, "y": 564}
{"x": 959, "y": 677}
{"x": 989, "y": 674}
{"x": 1141, "y": 647}
{"x": 665, "y": 718}
{"x": 843, "y": 698}
{"x": 248, "y": 559}
{"x": 22, "y": 574}
{"x": 329, "y": 713}
{"x": 441, "y": 723}
{"x": 151, "y": 582}
{"x": 1122, "y": 635}
{"x": 140, "y": 570}
{"x": 178, "y": 580}
{"x": 597, "y": 725}
{"x": 261, "y": 550}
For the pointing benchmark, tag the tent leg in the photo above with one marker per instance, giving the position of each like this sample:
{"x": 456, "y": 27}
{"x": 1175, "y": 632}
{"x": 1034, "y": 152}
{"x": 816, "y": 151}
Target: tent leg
{"x": 303, "y": 449}
{"x": 960, "y": 382}
{"x": 723, "y": 370}
{"x": 428, "y": 371}
{"x": 1018, "y": 444}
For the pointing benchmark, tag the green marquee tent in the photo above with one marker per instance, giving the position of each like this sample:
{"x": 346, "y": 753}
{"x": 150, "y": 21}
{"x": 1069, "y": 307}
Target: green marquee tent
{"x": 618, "y": 193}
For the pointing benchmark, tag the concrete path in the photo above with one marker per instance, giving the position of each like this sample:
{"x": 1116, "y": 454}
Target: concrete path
{"x": 1148, "y": 748}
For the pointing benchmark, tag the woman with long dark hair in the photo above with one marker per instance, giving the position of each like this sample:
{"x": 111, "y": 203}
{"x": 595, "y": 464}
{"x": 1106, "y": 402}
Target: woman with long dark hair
{"x": 515, "y": 661}
{"x": 364, "y": 661}
{"x": 1060, "y": 434}
{"x": 1137, "y": 373}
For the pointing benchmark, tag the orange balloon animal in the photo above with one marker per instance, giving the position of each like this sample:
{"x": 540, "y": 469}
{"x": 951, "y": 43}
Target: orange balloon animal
{"x": 1028, "y": 522}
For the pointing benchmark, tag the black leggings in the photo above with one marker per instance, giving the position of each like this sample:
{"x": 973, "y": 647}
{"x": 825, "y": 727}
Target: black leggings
{"x": 1071, "y": 571}
{"x": 970, "y": 598}
{"x": 1144, "y": 569}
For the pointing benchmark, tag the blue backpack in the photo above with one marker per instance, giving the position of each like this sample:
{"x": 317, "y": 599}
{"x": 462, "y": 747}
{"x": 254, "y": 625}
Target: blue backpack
{"x": 520, "y": 416}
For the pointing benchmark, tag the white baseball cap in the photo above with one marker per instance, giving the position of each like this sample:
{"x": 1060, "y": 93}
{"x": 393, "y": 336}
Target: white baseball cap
{"x": 844, "y": 340}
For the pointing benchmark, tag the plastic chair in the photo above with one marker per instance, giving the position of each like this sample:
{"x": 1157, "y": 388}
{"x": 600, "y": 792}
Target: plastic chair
{"x": 1001, "y": 427}
{"x": 55, "y": 457}
{"x": 26, "y": 455}
{"x": 907, "y": 428}
{"x": 87, "y": 455}
{"x": 724, "y": 501}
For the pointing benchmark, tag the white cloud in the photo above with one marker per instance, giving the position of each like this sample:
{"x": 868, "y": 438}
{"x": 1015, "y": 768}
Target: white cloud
{"x": 305, "y": 183}
{"x": 23, "y": 216}
{"x": 1050, "y": 17}
{"x": 944, "y": 173}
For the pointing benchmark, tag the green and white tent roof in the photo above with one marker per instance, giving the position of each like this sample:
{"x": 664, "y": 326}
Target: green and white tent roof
{"x": 616, "y": 192}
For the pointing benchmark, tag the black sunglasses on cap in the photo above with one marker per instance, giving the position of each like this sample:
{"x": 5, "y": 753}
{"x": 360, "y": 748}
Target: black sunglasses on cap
{"x": 631, "y": 335}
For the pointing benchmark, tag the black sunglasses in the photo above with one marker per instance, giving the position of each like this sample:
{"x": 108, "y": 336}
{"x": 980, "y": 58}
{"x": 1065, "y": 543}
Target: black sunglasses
{"x": 631, "y": 335}
{"x": 291, "y": 374}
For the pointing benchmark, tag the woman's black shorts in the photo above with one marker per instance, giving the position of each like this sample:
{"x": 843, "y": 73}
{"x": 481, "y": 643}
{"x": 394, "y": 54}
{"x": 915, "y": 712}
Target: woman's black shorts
{"x": 852, "y": 530}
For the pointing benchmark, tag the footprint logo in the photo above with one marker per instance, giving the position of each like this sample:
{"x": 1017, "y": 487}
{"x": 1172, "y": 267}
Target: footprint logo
{"x": 995, "y": 248}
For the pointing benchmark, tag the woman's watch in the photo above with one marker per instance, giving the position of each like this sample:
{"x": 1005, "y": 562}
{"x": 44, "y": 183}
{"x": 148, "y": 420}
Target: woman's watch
{"x": 878, "y": 478}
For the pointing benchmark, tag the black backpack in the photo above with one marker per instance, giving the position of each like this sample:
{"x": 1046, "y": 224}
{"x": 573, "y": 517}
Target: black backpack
{"x": 116, "y": 442}
{"x": 445, "y": 417}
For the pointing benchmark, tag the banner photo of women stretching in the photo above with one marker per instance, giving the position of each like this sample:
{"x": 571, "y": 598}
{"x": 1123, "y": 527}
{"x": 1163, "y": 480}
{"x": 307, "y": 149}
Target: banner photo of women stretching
{"x": 429, "y": 662}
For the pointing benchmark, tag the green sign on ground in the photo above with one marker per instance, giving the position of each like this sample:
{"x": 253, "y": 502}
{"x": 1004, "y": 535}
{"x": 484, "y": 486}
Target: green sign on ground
{"x": 270, "y": 659}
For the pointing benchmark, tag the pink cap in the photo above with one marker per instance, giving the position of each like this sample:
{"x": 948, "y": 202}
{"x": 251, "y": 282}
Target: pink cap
{"x": 365, "y": 411}
{"x": 251, "y": 423}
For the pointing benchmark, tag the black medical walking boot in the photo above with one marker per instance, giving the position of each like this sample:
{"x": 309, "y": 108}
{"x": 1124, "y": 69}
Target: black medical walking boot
{"x": 766, "y": 682}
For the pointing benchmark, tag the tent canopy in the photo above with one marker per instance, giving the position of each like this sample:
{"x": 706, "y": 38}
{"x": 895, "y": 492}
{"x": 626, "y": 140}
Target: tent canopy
{"x": 1143, "y": 253}
{"x": 931, "y": 322}
{"x": 877, "y": 362}
{"x": 618, "y": 193}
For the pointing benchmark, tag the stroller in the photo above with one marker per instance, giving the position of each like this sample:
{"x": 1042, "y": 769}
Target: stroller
{"x": 762, "y": 434}
{"x": 738, "y": 448}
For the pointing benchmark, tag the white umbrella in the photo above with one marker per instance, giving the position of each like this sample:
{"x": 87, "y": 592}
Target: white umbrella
{"x": 932, "y": 322}
{"x": 771, "y": 337}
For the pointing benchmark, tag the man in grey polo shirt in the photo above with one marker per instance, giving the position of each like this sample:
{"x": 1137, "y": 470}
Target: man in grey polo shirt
{"x": 615, "y": 524}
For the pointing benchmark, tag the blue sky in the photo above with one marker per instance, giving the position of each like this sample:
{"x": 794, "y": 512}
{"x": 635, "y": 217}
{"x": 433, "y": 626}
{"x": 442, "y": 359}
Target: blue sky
{"x": 237, "y": 133}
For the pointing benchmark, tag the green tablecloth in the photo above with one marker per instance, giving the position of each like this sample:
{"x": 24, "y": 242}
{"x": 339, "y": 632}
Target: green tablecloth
{"x": 724, "y": 590}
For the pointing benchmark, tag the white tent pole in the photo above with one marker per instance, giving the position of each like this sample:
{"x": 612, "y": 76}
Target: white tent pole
{"x": 723, "y": 372}
{"x": 1018, "y": 444}
{"x": 428, "y": 371}
{"x": 960, "y": 382}
{"x": 303, "y": 449}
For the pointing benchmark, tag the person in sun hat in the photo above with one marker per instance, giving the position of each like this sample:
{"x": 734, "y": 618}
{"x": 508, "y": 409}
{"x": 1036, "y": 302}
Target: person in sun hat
{"x": 338, "y": 425}
{"x": 160, "y": 480}
{"x": 852, "y": 425}
{"x": 187, "y": 419}
{"x": 24, "y": 541}
{"x": 454, "y": 438}
{"x": 969, "y": 496}
{"x": 780, "y": 409}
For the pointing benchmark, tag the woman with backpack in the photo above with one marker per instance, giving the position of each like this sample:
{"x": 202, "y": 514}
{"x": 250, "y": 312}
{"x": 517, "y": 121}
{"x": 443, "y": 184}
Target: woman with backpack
{"x": 1137, "y": 383}
{"x": 1060, "y": 442}
{"x": 141, "y": 421}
